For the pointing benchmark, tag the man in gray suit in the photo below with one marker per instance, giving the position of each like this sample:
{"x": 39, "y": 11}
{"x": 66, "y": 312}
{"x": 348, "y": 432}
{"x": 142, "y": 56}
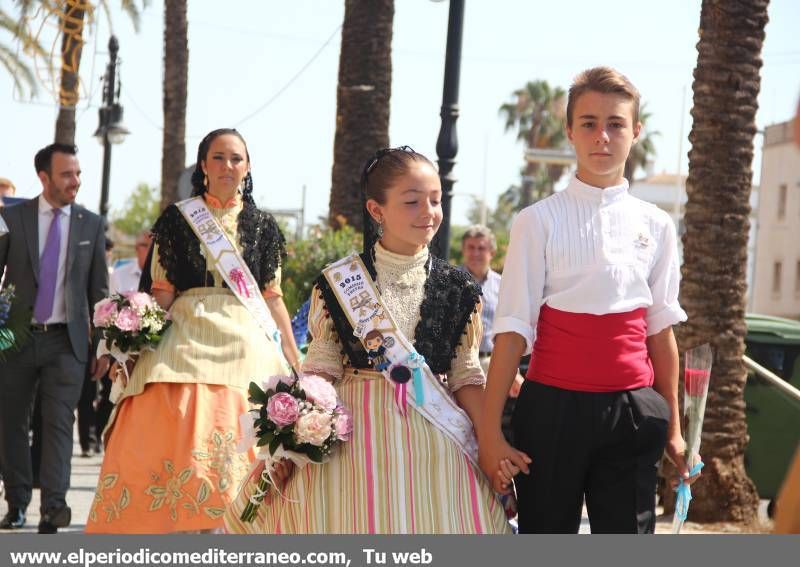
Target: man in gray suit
{"x": 54, "y": 253}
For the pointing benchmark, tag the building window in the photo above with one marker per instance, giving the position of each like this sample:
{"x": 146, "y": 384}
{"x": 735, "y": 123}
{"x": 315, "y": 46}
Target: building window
{"x": 797, "y": 279}
{"x": 782, "y": 191}
{"x": 777, "y": 269}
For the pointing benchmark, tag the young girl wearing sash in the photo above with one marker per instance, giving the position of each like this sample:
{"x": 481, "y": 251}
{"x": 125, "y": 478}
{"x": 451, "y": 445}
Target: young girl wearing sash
{"x": 171, "y": 462}
{"x": 409, "y": 466}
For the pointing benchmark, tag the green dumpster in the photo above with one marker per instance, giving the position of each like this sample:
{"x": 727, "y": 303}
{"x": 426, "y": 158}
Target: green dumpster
{"x": 773, "y": 418}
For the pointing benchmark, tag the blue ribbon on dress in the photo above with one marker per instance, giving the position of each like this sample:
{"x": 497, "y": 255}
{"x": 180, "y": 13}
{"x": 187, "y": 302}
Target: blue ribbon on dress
{"x": 416, "y": 361}
{"x": 685, "y": 495}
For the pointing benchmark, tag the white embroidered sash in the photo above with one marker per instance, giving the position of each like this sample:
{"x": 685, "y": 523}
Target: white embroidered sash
{"x": 223, "y": 255}
{"x": 394, "y": 356}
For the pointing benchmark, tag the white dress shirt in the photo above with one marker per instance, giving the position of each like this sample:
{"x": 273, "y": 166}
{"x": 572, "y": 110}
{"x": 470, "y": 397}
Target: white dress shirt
{"x": 490, "y": 288}
{"x": 589, "y": 250}
{"x": 59, "y": 314}
{"x": 125, "y": 278}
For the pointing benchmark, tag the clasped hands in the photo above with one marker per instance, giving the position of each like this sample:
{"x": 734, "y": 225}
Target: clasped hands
{"x": 501, "y": 462}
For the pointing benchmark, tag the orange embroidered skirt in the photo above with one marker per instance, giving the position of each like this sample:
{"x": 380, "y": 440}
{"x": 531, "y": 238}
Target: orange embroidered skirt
{"x": 171, "y": 462}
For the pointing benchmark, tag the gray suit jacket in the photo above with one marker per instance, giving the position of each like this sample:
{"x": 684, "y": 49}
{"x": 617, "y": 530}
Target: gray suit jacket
{"x": 87, "y": 274}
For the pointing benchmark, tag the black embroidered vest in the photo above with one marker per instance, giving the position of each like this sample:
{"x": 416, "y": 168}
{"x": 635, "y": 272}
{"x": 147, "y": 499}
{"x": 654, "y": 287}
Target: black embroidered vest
{"x": 263, "y": 247}
{"x": 451, "y": 296}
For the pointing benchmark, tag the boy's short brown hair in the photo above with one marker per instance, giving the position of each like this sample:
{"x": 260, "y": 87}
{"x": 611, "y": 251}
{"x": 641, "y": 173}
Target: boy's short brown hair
{"x": 602, "y": 80}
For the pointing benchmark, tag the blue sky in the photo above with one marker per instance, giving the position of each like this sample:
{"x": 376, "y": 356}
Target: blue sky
{"x": 243, "y": 52}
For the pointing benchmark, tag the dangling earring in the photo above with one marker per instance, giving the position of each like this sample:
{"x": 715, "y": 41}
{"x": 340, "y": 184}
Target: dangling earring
{"x": 205, "y": 180}
{"x": 380, "y": 228}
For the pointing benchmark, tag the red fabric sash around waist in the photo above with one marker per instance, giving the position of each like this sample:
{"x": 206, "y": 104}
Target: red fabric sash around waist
{"x": 591, "y": 353}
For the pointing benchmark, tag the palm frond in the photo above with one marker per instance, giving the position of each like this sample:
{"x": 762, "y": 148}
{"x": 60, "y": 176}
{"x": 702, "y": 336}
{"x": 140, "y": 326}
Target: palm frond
{"x": 20, "y": 73}
{"x": 129, "y": 7}
{"x": 18, "y": 29}
{"x": 26, "y": 7}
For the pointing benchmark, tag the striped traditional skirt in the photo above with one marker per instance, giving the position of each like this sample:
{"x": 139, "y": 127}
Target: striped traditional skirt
{"x": 171, "y": 462}
{"x": 397, "y": 475}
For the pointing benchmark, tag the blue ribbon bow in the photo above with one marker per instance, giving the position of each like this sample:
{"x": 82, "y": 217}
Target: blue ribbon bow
{"x": 416, "y": 361}
{"x": 685, "y": 495}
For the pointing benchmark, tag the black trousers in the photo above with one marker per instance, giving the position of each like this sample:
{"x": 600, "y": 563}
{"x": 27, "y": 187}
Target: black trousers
{"x": 36, "y": 439}
{"x": 604, "y": 447}
{"x": 86, "y": 413}
{"x": 46, "y": 365}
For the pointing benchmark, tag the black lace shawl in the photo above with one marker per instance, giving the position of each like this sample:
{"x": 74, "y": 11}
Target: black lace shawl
{"x": 263, "y": 247}
{"x": 451, "y": 296}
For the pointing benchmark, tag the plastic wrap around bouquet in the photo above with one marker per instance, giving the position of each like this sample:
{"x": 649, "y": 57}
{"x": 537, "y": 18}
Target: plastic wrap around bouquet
{"x": 131, "y": 323}
{"x": 299, "y": 419}
{"x": 697, "y": 373}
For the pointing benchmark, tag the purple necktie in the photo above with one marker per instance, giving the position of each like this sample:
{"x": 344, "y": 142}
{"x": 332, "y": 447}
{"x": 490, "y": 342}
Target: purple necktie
{"x": 48, "y": 271}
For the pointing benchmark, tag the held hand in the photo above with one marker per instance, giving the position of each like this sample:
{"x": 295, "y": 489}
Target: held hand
{"x": 117, "y": 372}
{"x": 505, "y": 475}
{"x": 256, "y": 473}
{"x": 500, "y": 462}
{"x": 98, "y": 367}
{"x": 516, "y": 386}
{"x": 281, "y": 471}
{"x": 675, "y": 451}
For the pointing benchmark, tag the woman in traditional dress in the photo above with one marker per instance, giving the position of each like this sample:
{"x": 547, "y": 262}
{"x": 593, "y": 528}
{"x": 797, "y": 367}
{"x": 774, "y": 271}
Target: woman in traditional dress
{"x": 171, "y": 462}
{"x": 399, "y": 473}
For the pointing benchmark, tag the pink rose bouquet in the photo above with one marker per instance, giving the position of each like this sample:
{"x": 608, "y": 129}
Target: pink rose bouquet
{"x": 130, "y": 322}
{"x": 300, "y": 419}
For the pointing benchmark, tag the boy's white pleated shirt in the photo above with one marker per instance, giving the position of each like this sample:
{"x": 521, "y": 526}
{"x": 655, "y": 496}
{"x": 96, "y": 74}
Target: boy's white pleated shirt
{"x": 590, "y": 250}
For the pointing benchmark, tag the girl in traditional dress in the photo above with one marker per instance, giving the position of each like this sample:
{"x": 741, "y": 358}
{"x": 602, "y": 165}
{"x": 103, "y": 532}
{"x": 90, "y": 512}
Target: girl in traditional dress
{"x": 171, "y": 462}
{"x": 400, "y": 472}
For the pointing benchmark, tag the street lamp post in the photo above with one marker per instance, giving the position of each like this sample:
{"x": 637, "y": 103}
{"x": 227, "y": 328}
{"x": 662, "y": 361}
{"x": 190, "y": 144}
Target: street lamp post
{"x": 110, "y": 131}
{"x": 447, "y": 143}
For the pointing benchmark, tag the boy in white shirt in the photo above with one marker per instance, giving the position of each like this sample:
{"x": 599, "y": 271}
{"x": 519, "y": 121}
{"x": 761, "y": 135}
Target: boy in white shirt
{"x": 590, "y": 287}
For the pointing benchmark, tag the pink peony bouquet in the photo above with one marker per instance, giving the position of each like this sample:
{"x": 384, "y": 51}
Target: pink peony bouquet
{"x": 300, "y": 419}
{"x": 131, "y": 322}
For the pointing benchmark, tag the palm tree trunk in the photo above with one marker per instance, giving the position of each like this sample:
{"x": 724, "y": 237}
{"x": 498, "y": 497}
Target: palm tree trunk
{"x": 176, "y": 77}
{"x": 713, "y": 291}
{"x": 362, "y": 102}
{"x": 71, "y": 48}
{"x": 528, "y": 186}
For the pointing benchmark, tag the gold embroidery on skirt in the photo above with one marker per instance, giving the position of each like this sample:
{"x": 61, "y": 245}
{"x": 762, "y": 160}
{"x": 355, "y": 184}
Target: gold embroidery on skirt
{"x": 172, "y": 493}
{"x": 223, "y": 460}
{"x": 112, "y": 509}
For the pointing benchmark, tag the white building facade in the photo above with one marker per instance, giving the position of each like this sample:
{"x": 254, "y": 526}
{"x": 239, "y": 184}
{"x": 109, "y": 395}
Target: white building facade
{"x": 777, "y": 274}
{"x": 668, "y": 192}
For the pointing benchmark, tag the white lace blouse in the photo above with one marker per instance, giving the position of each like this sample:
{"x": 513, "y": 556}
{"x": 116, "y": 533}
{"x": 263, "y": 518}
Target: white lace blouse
{"x": 401, "y": 281}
